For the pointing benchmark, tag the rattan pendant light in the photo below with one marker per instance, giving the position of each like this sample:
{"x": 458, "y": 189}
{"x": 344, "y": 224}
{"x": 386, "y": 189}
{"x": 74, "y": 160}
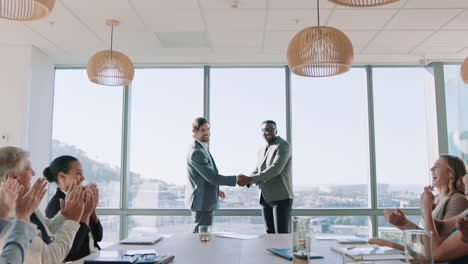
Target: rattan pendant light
{"x": 110, "y": 67}
{"x": 25, "y": 10}
{"x": 363, "y": 3}
{"x": 464, "y": 71}
{"x": 320, "y": 51}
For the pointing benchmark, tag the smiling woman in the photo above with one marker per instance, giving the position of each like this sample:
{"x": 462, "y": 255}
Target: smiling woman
{"x": 447, "y": 178}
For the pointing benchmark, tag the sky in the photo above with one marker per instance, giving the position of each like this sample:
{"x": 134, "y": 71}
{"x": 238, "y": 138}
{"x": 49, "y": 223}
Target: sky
{"x": 329, "y": 121}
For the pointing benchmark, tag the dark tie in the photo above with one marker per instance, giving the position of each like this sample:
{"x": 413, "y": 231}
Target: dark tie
{"x": 35, "y": 220}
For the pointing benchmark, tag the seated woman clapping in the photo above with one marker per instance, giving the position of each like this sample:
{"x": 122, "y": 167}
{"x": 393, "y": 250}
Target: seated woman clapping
{"x": 455, "y": 247}
{"x": 64, "y": 171}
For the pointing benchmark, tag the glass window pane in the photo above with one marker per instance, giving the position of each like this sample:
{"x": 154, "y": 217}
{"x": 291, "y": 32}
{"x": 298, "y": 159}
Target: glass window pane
{"x": 330, "y": 141}
{"x": 164, "y": 102}
{"x": 390, "y": 232}
{"x": 138, "y": 225}
{"x": 183, "y": 224}
{"x": 241, "y": 99}
{"x": 111, "y": 227}
{"x": 402, "y": 163}
{"x": 456, "y": 96}
{"x": 87, "y": 124}
{"x": 342, "y": 225}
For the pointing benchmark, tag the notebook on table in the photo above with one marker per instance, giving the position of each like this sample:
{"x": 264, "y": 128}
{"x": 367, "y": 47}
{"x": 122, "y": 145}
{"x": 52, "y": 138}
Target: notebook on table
{"x": 287, "y": 254}
{"x": 370, "y": 252}
{"x": 142, "y": 240}
{"x": 129, "y": 259}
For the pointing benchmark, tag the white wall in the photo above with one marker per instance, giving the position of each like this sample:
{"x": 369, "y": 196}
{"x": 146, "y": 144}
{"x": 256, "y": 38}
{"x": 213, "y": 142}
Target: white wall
{"x": 14, "y": 94}
{"x": 40, "y": 109}
{"x": 26, "y": 96}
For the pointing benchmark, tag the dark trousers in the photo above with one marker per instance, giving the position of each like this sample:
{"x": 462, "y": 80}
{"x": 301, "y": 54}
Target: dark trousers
{"x": 202, "y": 218}
{"x": 277, "y": 215}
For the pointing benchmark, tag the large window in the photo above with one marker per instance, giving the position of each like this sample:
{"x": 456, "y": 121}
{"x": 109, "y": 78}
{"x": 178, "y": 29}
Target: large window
{"x": 241, "y": 99}
{"x": 402, "y": 164}
{"x": 330, "y": 141}
{"x": 359, "y": 142}
{"x": 164, "y": 102}
{"x": 456, "y": 96}
{"x": 87, "y": 124}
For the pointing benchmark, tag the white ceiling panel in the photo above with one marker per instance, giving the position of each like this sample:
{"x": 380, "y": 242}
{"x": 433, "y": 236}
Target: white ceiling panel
{"x": 437, "y": 4}
{"x": 360, "y": 39}
{"x": 448, "y": 38}
{"x": 173, "y": 20}
{"x": 437, "y": 49}
{"x": 98, "y": 4}
{"x": 286, "y": 4}
{"x": 94, "y": 16}
{"x": 295, "y": 19}
{"x": 422, "y": 19}
{"x": 235, "y": 20}
{"x": 67, "y": 32}
{"x": 460, "y": 22}
{"x": 227, "y": 4}
{"x": 136, "y": 43}
{"x": 396, "y": 41}
{"x": 238, "y": 52}
{"x": 236, "y": 39}
{"x": 174, "y": 31}
{"x": 278, "y": 41}
{"x": 162, "y": 4}
{"x": 360, "y": 19}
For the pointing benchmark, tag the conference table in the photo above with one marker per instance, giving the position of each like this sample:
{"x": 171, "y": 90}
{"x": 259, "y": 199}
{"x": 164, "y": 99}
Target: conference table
{"x": 188, "y": 249}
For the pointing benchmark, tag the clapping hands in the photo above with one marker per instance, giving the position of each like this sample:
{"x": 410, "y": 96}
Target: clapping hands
{"x": 8, "y": 192}
{"x": 427, "y": 199}
{"x": 243, "y": 180}
{"x": 396, "y": 218}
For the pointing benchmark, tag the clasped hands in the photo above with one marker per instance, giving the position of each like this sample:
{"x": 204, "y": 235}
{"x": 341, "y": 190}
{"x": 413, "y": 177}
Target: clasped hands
{"x": 243, "y": 180}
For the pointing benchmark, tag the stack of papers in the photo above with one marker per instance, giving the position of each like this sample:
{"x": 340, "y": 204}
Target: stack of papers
{"x": 142, "y": 240}
{"x": 236, "y": 235}
{"x": 369, "y": 252}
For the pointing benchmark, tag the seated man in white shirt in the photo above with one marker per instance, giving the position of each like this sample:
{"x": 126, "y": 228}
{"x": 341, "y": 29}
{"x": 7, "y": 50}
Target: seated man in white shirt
{"x": 54, "y": 237}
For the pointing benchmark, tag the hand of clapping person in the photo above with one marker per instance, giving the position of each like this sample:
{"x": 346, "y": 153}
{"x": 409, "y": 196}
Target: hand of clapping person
{"x": 73, "y": 208}
{"x": 28, "y": 202}
{"x": 427, "y": 199}
{"x": 396, "y": 218}
{"x": 8, "y": 193}
{"x": 91, "y": 194}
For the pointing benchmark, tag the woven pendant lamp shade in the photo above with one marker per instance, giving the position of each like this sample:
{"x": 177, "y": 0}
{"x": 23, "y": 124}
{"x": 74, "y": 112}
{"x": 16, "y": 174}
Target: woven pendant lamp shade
{"x": 25, "y": 10}
{"x": 319, "y": 52}
{"x": 464, "y": 71}
{"x": 110, "y": 67}
{"x": 362, "y": 3}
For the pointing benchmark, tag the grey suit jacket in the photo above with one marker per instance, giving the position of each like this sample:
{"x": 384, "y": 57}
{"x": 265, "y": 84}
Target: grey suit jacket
{"x": 18, "y": 241}
{"x": 273, "y": 173}
{"x": 202, "y": 190}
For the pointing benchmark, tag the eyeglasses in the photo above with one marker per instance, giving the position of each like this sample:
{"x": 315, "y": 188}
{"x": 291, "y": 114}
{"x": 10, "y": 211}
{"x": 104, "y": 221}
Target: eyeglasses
{"x": 268, "y": 129}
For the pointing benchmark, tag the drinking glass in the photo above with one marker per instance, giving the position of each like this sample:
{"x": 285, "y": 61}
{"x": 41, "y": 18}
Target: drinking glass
{"x": 300, "y": 240}
{"x": 204, "y": 231}
{"x": 418, "y": 246}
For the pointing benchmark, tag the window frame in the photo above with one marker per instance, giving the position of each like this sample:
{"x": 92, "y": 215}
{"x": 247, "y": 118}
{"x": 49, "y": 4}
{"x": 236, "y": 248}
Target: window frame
{"x": 373, "y": 212}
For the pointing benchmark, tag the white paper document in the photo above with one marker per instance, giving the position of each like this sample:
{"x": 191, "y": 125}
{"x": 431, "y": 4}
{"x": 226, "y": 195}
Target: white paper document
{"x": 236, "y": 235}
{"x": 335, "y": 237}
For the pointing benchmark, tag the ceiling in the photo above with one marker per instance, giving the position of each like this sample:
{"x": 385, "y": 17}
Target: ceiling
{"x": 165, "y": 32}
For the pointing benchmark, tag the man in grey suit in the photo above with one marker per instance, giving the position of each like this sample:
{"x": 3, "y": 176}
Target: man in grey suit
{"x": 273, "y": 177}
{"x": 202, "y": 192}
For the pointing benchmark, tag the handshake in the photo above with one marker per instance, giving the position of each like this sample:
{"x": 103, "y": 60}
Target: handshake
{"x": 243, "y": 180}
